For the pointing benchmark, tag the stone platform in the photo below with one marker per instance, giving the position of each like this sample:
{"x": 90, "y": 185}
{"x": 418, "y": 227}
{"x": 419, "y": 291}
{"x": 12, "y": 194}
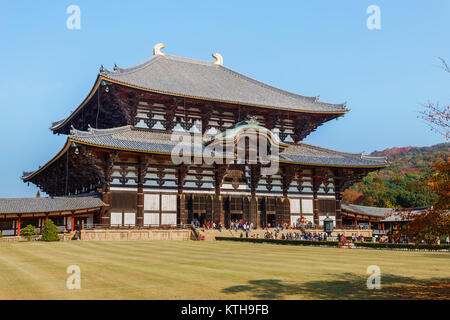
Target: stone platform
{"x": 121, "y": 235}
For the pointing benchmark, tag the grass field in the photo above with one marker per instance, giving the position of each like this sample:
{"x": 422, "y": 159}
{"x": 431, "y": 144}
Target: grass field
{"x": 216, "y": 270}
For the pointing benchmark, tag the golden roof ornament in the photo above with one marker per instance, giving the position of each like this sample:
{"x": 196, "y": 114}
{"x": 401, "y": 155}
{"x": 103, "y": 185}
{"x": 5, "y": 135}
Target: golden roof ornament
{"x": 219, "y": 59}
{"x": 157, "y": 49}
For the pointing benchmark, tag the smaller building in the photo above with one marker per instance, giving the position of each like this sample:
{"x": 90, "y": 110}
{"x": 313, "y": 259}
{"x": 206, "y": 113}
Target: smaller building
{"x": 379, "y": 220}
{"x": 65, "y": 212}
{"x": 398, "y": 218}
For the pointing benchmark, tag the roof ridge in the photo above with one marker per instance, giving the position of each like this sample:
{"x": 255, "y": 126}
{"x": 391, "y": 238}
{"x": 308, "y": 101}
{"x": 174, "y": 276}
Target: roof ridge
{"x": 98, "y": 132}
{"x": 118, "y": 70}
{"x": 131, "y": 69}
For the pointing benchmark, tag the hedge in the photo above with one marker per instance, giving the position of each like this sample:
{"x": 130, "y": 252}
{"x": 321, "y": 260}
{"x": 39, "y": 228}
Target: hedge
{"x": 404, "y": 246}
{"x": 335, "y": 244}
{"x": 279, "y": 241}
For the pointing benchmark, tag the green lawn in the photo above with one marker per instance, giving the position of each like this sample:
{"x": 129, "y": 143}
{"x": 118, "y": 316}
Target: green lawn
{"x": 216, "y": 270}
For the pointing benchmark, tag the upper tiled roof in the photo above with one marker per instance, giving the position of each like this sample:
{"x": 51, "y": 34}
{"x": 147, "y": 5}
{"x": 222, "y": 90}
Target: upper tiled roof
{"x": 133, "y": 139}
{"x": 206, "y": 80}
{"x": 48, "y": 205}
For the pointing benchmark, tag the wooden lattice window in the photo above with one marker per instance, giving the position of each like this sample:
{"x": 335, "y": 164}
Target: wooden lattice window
{"x": 124, "y": 201}
{"x": 59, "y": 221}
{"x": 271, "y": 205}
{"x": 6, "y": 225}
{"x": 198, "y": 203}
{"x": 327, "y": 206}
{"x": 236, "y": 204}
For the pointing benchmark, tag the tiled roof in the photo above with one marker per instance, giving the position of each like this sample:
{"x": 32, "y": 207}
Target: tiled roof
{"x": 309, "y": 154}
{"x": 48, "y": 205}
{"x": 206, "y": 80}
{"x": 365, "y": 210}
{"x": 130, "y": 138}
{"x": 402, "y": 215}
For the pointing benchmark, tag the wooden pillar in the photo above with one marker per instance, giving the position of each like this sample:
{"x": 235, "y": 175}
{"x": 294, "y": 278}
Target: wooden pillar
{"x": 18, "y": 225}
{"x": 279, "y": 211}
{"x": 255, "y": 176}
{"x": 73, "y": 222}
{"x": 315, "y": 190}
{"x": 140, "y": 206}
{"x": 227, "y": 218}
{"x": 182, "y": 213}
{"x": 246, "y": 208}
{"x": 356, "y": 223}
{"x": 144, "y": 162}
{"x": 218, "y": 209}
{"x": 209, "y": 208}
{"x": 218, "y": 212}
{"x": 288, "y": 174}
{"x": 382, "y": 225}
{"x": 338, "y": 197}
{"x": 105, "y": 213}
{"x": 286, "y": 218}
{"x": 316, "y": 208}
{"x": 253, "y": 210}
{"x": 107, "y": 168}
{"x": 263, "y": 213}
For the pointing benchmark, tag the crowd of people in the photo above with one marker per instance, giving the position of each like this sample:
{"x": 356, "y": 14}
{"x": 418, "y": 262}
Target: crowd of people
{"x": 288, "y": 232}
{"x": 295, "y": 235}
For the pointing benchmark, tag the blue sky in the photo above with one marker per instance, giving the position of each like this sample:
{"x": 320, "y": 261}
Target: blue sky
{"x": 308, "y": 47}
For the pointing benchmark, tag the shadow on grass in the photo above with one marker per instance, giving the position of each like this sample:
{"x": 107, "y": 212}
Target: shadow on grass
{"x": 348, "y": 286}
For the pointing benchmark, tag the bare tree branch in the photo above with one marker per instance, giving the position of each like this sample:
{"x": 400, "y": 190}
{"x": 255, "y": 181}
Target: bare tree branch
{"x": 445, "y": 65}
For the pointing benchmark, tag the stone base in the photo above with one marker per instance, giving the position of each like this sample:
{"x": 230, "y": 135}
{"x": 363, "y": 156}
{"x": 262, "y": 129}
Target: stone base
{"x": 120, "y": 235}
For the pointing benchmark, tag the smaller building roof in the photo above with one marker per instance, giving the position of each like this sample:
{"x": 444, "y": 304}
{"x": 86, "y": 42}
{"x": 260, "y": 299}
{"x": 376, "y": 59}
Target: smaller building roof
{"x": 365, "y": 210}
{"x": 403, "y": 215}
{"x": 49, "y": 205}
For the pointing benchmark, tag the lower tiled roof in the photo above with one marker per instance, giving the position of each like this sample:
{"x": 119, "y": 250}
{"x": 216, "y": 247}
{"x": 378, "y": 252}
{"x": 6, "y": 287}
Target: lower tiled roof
{"x": 147, "y": 141}
{"x": 48, "y": 205}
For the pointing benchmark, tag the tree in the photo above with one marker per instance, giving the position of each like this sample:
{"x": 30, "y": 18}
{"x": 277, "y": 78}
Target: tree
{"x": 50, "y": 231}
{"x": 28, "y": 232}
{"x": 434, "y": 222}
{"x": 437, "y": 116}
{"x": 352, "y": 196}
{"x": 38, "y": 194}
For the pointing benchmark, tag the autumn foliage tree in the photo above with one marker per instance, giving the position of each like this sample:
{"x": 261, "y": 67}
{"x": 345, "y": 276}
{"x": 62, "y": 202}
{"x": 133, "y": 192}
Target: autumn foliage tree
{"x": 352, "y": 196}
{"x": 437, "y": 117}
{"x": 434, "y": 222}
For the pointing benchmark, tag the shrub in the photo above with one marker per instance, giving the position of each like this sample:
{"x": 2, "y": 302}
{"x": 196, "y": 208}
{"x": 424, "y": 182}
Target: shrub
{"x": 285, "y": 242}
{"x": 49, "y": 231}
{"x": 28, "y": 232}
{"x": 406, "y": 246}
{"x": 1, "y": 234}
